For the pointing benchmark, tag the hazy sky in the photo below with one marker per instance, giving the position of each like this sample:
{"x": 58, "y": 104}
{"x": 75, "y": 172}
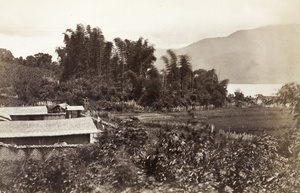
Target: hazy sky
{"x": 31, "y": 26}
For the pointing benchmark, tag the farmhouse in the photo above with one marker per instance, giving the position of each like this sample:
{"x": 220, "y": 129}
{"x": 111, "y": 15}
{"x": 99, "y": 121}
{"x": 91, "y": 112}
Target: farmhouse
{"x": 24, "y": 113}
{"x": 74, "y": 111}
{"x": 59, "y": 108}
{"x": 48, "y": 132}
{"x": 70, "y": 111}
{"x": 28, "y": 113}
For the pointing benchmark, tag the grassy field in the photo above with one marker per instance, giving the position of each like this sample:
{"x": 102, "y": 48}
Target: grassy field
{"x": 252, "y": 120}
{"x": 248, "y": 120}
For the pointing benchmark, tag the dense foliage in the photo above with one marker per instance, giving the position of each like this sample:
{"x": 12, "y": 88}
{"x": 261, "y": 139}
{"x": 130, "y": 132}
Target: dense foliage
{"x": 6, "y": 55}
{"x": 122, "y": 70}
{"x": 40, "y": 60}
{"x": 289, "y": 94}
{"x": 27, "y": 81}
{"x": 186, "y": 87}
{"x": 25, "y": 84}
{"x": 173, "y": 157}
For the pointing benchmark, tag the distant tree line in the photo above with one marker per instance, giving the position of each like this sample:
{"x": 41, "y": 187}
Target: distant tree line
{"x": 91, "y": 67}
{"x": 39, "y": 60}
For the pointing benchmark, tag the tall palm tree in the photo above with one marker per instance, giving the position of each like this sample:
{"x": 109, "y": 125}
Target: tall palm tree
{"x": 185, "y": 72}
{"x": 172, "y": 69}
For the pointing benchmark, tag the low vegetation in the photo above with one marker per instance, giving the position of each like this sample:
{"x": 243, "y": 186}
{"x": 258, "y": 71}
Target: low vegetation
{"x": 162, "y": 158}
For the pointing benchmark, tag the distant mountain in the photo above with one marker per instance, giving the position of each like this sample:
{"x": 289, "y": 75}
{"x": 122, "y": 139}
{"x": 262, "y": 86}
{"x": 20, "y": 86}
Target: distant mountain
{"x": 263, "y": 55}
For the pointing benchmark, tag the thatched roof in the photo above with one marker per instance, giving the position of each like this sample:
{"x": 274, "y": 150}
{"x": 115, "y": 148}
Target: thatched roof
{"x": 36, "y": 110}
{"x": 60, "y": 127}
{"x": 75, "y": 108}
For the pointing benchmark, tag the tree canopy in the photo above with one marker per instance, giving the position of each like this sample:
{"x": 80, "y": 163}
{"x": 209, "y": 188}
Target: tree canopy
{"x": 200, "y": 87}
{"x": 290, "y": 94}
{"x": 91, "y": 67}
{"x": 6, "y": 55}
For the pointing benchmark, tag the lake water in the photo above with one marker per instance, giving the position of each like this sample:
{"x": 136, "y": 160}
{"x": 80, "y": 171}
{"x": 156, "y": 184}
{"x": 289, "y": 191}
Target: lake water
{"x": 254, "y": 89}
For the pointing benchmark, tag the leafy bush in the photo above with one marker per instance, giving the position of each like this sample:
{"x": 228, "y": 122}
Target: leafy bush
{"x": 163, "y": 158}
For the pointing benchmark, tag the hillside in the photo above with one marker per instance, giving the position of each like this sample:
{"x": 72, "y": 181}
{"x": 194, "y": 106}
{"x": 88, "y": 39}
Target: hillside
{"x": 11, "y": 72}
{"x": 26, "y": 82}
{"x": 262, "y": 55}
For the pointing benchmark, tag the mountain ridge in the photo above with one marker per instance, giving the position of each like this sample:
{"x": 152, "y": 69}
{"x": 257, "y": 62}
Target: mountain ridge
{"x": 268, "y": 54}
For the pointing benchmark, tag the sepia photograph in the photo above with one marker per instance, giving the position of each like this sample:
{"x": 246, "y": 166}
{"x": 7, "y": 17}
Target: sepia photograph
{"x": 149, "y": 96}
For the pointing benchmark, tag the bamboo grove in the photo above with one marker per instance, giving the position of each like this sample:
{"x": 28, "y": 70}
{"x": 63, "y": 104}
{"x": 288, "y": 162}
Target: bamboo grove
{"x": 91, "y": 67}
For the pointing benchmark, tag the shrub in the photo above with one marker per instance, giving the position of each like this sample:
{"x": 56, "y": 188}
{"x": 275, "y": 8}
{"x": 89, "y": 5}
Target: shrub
{"x": 164, "y": 157}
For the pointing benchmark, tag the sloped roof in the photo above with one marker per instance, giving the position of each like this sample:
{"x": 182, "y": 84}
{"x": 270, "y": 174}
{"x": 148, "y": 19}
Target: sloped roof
{"x": 36, "y": 110}
{"x": 69, "y": 107}
{"x": 75, "y": 108}
{"x": 62, "y": 105}
{"x": 4, "y": 116}
{"x": 60, "y": 127}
